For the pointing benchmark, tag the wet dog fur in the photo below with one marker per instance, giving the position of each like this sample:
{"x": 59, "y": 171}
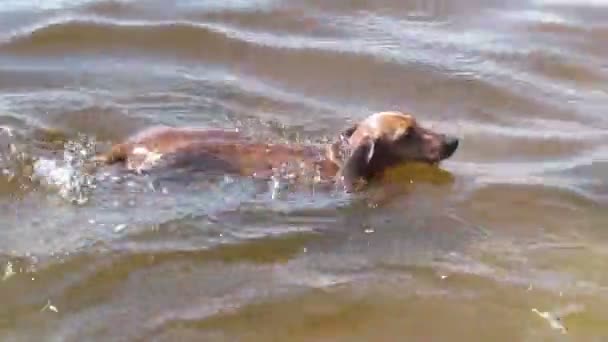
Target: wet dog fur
{"x": 360, "y": 154}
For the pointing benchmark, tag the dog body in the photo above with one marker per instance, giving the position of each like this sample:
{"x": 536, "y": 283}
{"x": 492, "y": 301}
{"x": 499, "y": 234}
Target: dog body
{"x": 361, "y": 153}
{"x": 218, "y": 150}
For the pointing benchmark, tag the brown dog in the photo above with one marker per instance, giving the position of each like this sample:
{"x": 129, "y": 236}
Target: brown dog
{"x": 362, "y": 153}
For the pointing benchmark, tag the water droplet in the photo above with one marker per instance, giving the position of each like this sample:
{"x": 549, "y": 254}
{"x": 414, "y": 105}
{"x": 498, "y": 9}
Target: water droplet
{"x": 49, "y": 307}
{"x": 119, "y": 228}
{"x": 552, "y": 319}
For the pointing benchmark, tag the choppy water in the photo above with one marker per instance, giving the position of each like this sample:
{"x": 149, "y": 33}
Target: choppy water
{"x": 114, "y": 257}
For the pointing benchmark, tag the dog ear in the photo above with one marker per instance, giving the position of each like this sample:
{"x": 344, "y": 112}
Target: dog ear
{"x": 357, "y": 166}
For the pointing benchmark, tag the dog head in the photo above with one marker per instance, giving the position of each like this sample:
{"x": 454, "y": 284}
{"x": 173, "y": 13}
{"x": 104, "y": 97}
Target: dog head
{"x": 388, "y": 139}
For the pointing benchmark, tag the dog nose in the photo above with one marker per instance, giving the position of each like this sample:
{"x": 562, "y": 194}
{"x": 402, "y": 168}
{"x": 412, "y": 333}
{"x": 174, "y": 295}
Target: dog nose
{"x": 450, "y": 146}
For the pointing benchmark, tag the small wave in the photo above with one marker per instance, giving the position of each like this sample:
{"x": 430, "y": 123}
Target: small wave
{"x": 570, "y": 3}
{"x": 84, "y": 33}
{"x": 17, "y": 5}
{"x": 544, "y": 17}
{"x": 218, "y": 41}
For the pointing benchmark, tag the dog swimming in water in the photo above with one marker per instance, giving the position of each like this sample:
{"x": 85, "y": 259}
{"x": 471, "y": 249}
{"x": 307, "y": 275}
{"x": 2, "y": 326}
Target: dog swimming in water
{"x": 358, "y": 155}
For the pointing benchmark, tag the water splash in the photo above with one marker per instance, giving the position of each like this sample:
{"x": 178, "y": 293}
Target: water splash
{"x": 70, "y": 175}
{"x": 15, "y": 162}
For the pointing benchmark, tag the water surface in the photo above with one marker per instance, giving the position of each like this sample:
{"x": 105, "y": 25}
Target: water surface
{"x": 519, "y": 225}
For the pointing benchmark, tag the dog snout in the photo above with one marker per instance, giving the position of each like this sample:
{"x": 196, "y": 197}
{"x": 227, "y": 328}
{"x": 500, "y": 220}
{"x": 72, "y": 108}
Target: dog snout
{"x": 449, "y": 147}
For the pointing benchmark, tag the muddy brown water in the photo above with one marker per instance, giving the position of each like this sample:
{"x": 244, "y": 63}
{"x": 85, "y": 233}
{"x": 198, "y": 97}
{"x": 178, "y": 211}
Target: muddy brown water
{"x": 518, "y": 224}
